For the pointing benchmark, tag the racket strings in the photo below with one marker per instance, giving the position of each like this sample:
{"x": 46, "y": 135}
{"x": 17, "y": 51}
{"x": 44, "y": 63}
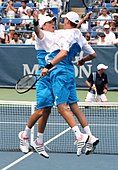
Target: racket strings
{"x": 25, "y": 83}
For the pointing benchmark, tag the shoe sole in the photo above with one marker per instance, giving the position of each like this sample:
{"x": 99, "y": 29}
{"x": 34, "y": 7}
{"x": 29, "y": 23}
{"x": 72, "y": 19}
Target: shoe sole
{"x": 94, "y": 147}
{"x": 38, "y": 152}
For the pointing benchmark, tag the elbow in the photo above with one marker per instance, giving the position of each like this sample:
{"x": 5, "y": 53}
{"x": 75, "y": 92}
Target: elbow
{"x": 65, "y": 53}
{"x": 94, "y": 55}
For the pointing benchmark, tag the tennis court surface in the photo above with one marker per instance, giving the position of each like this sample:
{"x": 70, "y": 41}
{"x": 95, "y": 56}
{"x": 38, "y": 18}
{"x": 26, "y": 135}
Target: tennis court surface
{"x": 102, "y": 118}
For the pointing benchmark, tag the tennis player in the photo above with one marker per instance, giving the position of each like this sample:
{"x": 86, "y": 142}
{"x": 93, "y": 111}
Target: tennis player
{"x": 63, "y": 77}
{"x": 33, "y": 121}
{"x": 101, "y": 85}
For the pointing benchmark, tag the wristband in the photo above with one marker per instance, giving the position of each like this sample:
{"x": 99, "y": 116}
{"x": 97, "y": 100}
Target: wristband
{"x": 49, "y": 66}
{"x": 36, "y": 23}
{"x": 82, "y": 61}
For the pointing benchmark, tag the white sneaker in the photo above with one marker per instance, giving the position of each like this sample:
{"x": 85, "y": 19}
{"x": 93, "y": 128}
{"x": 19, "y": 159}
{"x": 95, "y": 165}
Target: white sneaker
{"x": 24, "y": 144}
{"x": 81, "y": 142}
{"x": 40, "y": 149}
{"x": 91, "y": 144}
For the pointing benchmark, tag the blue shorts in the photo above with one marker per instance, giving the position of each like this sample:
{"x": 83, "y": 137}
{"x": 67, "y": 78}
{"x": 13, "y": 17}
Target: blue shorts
{"x": 44, "y": 95}
{"x": 63, "y": 85}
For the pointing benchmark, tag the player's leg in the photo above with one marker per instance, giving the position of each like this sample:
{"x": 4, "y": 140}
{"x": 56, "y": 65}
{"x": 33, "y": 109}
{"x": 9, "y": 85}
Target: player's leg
{"x": 61, "y": 92}
{"x": 61, "y": 83}
{"x": 24, "y": 135}
{"x": 93, "y": 141}
{"x": 38, "y": 144}
{"x": 82, "y": 119}
{"x": 45, "y": 99}
{"x": 80, "y": 138}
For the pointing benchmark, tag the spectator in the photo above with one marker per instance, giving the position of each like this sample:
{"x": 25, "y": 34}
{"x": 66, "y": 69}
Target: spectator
{"x": 97, "y": 83}
{"x": 15, "y": 39}
{"x": 41, "y": 12}
{"x": 84, "y": 25}
{"x": 31, "y": 40}
{"x": 100, "y": 41}
{"x": 110, "y": 36}
{"x": 2, "y": 31}
{"x": 103, "y": 17}
{"x": 9, "y": 36}
{"x": 22, "y": 11}
{"x": 115, "y": 3}
{"x": 40, "y": 3}
{"x": 28, "y": 19}
{"x": 115, "y": 19}
{"x": 115, "y": 41}
{"x": 56, "y": 4}
{"x": 109, "y": 3}
{"x": 10, "y": 10}
{"x": 87, "y": 36}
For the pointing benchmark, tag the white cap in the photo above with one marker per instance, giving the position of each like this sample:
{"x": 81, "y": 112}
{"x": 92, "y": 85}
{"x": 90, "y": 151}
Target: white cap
{"x": 11, "y": 28}
{"x": 101, "y": 66}
{"x": 72, "y": 16}
{"x": 106, "y": 26}
{"x": 115, "y": 14}
{"x": 45, "y": 19}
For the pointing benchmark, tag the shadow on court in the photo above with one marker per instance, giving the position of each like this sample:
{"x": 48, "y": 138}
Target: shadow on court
{"x": 57, "y": 161}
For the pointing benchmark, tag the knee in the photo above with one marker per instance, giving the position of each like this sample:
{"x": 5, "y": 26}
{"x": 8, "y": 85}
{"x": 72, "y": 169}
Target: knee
{"x": 62, "y": 108}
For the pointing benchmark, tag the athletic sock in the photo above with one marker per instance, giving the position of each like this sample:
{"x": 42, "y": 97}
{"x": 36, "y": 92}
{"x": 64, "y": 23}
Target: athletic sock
{"x": 87, "y": 130}
{"x": 40, "y": 138}
{"x": 76, "y": 131}
{"x": 26, "y": 131}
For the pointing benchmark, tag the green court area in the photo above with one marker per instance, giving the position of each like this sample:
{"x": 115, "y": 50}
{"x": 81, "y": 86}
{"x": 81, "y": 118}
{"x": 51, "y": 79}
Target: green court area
{"x": 12, "y": 95}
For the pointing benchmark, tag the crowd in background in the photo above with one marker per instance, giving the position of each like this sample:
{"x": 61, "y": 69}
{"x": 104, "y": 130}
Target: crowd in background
{"x": 18, "y": 29}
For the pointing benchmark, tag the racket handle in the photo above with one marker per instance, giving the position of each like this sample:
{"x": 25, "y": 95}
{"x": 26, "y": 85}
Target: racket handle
{"x": 53, "y": 68}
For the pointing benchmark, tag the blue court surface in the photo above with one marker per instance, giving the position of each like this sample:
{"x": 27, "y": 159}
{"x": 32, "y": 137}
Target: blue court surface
{"x": 57, "y": 161}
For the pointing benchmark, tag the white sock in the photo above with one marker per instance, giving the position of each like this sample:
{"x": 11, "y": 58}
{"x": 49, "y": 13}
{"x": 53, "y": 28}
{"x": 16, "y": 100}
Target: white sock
{"x": 40, "y": 138}
{"x": 87, "y": 130}
{"x": 76, "y": 131}
{"x": 26, "y": 131}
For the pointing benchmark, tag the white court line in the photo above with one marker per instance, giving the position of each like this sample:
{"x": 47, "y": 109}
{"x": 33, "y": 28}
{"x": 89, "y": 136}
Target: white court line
{"x": 30, "y": 153}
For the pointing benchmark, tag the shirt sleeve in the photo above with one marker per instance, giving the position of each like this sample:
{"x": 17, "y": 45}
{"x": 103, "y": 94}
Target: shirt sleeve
{"x": 83, "y": 43}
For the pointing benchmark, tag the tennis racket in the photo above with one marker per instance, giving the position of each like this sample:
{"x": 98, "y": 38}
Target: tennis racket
{"x": 27, "y": 82}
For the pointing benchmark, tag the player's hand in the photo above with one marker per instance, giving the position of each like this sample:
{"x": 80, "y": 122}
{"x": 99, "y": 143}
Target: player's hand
{"x": 105, "y": 91}
{"x": 88, "y": 15}
{"x": 93, "y": 87}
{"x": 44, "y": 72}
{"x": 81, "y": 62}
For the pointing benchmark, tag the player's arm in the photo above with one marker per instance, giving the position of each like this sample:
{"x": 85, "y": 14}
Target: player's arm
{"x": 105, "y": 85}
{"x": 37, "y": 29}
{"x": 60, "y": 56}
{"x": 64, "y": 44}
{"x": 89, "y": 82}
{"x": 85, "y": 18}
{"x": 86, "y": 58}
{"x": 105, "y": 88}
{"x": 87, "y": 49}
